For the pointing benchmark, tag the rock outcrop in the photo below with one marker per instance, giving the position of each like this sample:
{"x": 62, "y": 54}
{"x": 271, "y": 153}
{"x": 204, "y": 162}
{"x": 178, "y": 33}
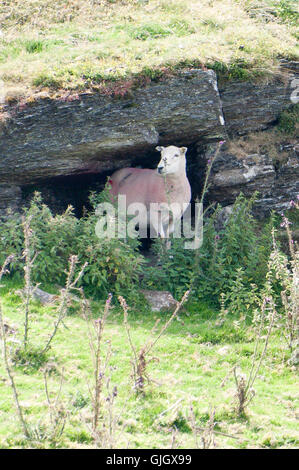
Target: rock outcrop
{"x": 249, "y": 107}
{"x": 95, "y": 133}
{"x": 92, "y": 134}
{"x": 276, "y": 182}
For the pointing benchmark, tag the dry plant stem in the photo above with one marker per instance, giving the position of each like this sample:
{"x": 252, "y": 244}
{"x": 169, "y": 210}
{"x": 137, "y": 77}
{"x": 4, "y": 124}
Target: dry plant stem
{"x": 290, "y": 240}
{"x": 288, "y": 273}
{"x": 291, "y": 303}
{"x": 112, "y": 420}
{"x": 57, "y": 421}
{"x": 207, "y": 437}
{"x": 10, "y": 375}
{"x": 127, "y": 326}
{"x": 252, "y": 378}
{"x": 65, "y": 296}
{"x": 54, "y": 403}
{"x": 211, "y": 425}
{"x": 95, "y": 343}
{"x": 245, "y": 394}
{"x": 204, "y": 191}
{"x": 29, "y": 263}
{"x": 173, "y": 444}
{"x": 6, "y": 359}
{"x": 241, "y": 395}
{"x": 206, "y": 186}
{"x": 164, "y": 328}
{"x": 140, "y": 361}
{"x": 86, "y": 313}
{"x": 98, "y": 374}
{"x": 174, "y": 405}
{"x": 193, "y": 426}
{"x": 259, "y": 334}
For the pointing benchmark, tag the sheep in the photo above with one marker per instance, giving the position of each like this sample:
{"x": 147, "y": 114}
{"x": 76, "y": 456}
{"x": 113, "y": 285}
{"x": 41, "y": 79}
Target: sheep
{"x": 165, "y": 193}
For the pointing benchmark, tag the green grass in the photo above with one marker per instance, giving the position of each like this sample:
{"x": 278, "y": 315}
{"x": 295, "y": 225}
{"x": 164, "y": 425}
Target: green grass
{"x": 288, "y": 121}
{"x": 192, "y": 359}
{"x": 84, "y": 44}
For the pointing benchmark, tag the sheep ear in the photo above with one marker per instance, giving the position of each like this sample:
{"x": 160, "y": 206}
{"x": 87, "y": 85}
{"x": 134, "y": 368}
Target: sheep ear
{"x": 183, "y": 150}
{"x": 159, "y": 149}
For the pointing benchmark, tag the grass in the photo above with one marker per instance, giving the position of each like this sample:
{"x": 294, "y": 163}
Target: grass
{"x": 198, "y": 374}
{"x": 270, "y": 141}
{"x": 85, "y": 44}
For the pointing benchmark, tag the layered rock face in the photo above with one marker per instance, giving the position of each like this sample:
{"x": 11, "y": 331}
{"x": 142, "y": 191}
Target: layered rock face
{"x": 95, "y": 134}
{"x": 276, "y": 182}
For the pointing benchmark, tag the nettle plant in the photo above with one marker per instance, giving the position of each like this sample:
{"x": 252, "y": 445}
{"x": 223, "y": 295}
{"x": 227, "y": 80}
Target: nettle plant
{"x": 113, "y": 264}
{"x": 284, "y": 269}
{"x": 52, "y": 240}
{"x": 231, "y": 259}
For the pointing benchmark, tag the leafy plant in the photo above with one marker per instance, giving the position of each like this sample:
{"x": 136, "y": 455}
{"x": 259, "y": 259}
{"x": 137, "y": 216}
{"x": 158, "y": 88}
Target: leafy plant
{"x": 113, "y": 264}
{"x": 288, "y": 120}
{"x": 286, "y": 271}
{"x": 232, "y": 257}
{"x": 287, "y": 11}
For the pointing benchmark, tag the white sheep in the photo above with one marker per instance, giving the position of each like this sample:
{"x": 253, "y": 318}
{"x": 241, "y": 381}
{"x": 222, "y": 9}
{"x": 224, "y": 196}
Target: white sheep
{"x": 164, "y": 193}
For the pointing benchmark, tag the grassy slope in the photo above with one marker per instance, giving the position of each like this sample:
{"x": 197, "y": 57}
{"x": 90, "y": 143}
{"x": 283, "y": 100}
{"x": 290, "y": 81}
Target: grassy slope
{"x": 78, "y": 44}
{"x": 193, "y": 360}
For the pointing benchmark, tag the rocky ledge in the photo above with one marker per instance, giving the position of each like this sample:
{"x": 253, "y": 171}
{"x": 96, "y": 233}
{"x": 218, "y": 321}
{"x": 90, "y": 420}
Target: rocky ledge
{"x": 276, "y": 181}
{"x": 92, "y": 134}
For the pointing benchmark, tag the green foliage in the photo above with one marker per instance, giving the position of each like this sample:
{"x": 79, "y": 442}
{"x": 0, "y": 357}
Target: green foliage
{"x": 227, "y": 334}
{"x": 177, "y": 26}
{"x": 33, "y": 46}
{"x": 286, "y": 10}
{"x": 29, "y": 360}
{"x": 53, "y": 240}
{"x": 113, "y": 265}
{"x": 175, "y": 270}
{"x": 12, "y": 242}
{"x": 212, "y": 25}
{"x": 237, "y": 253}
{"x": 80, "y": 436}
{"x": 288, "y": 120}
{"x": 180, "y": 422}
{"x": 241, "y": 299}
{"x": 47, "y": 80}
{"x": 152, "y": 74}
{"x": 238, "y": 69}
{"x": 181, "y": 27}
{"x": 148, "y": 31}
{"x": 79, "y": 400}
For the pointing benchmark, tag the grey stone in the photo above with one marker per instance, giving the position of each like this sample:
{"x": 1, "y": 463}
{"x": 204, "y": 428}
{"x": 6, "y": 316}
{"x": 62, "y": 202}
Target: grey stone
{"x": 249, "y": 106}
{"x": 276, "y": 184}
{"x": 98, "y": 133}
{"x": 10, "y": 196}
{"x": 159, "y": 300}
{"x": 44, "y": 297}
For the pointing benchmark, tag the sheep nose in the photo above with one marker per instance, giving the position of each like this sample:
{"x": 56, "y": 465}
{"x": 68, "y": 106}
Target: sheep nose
{"x": 160, "y": 168}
